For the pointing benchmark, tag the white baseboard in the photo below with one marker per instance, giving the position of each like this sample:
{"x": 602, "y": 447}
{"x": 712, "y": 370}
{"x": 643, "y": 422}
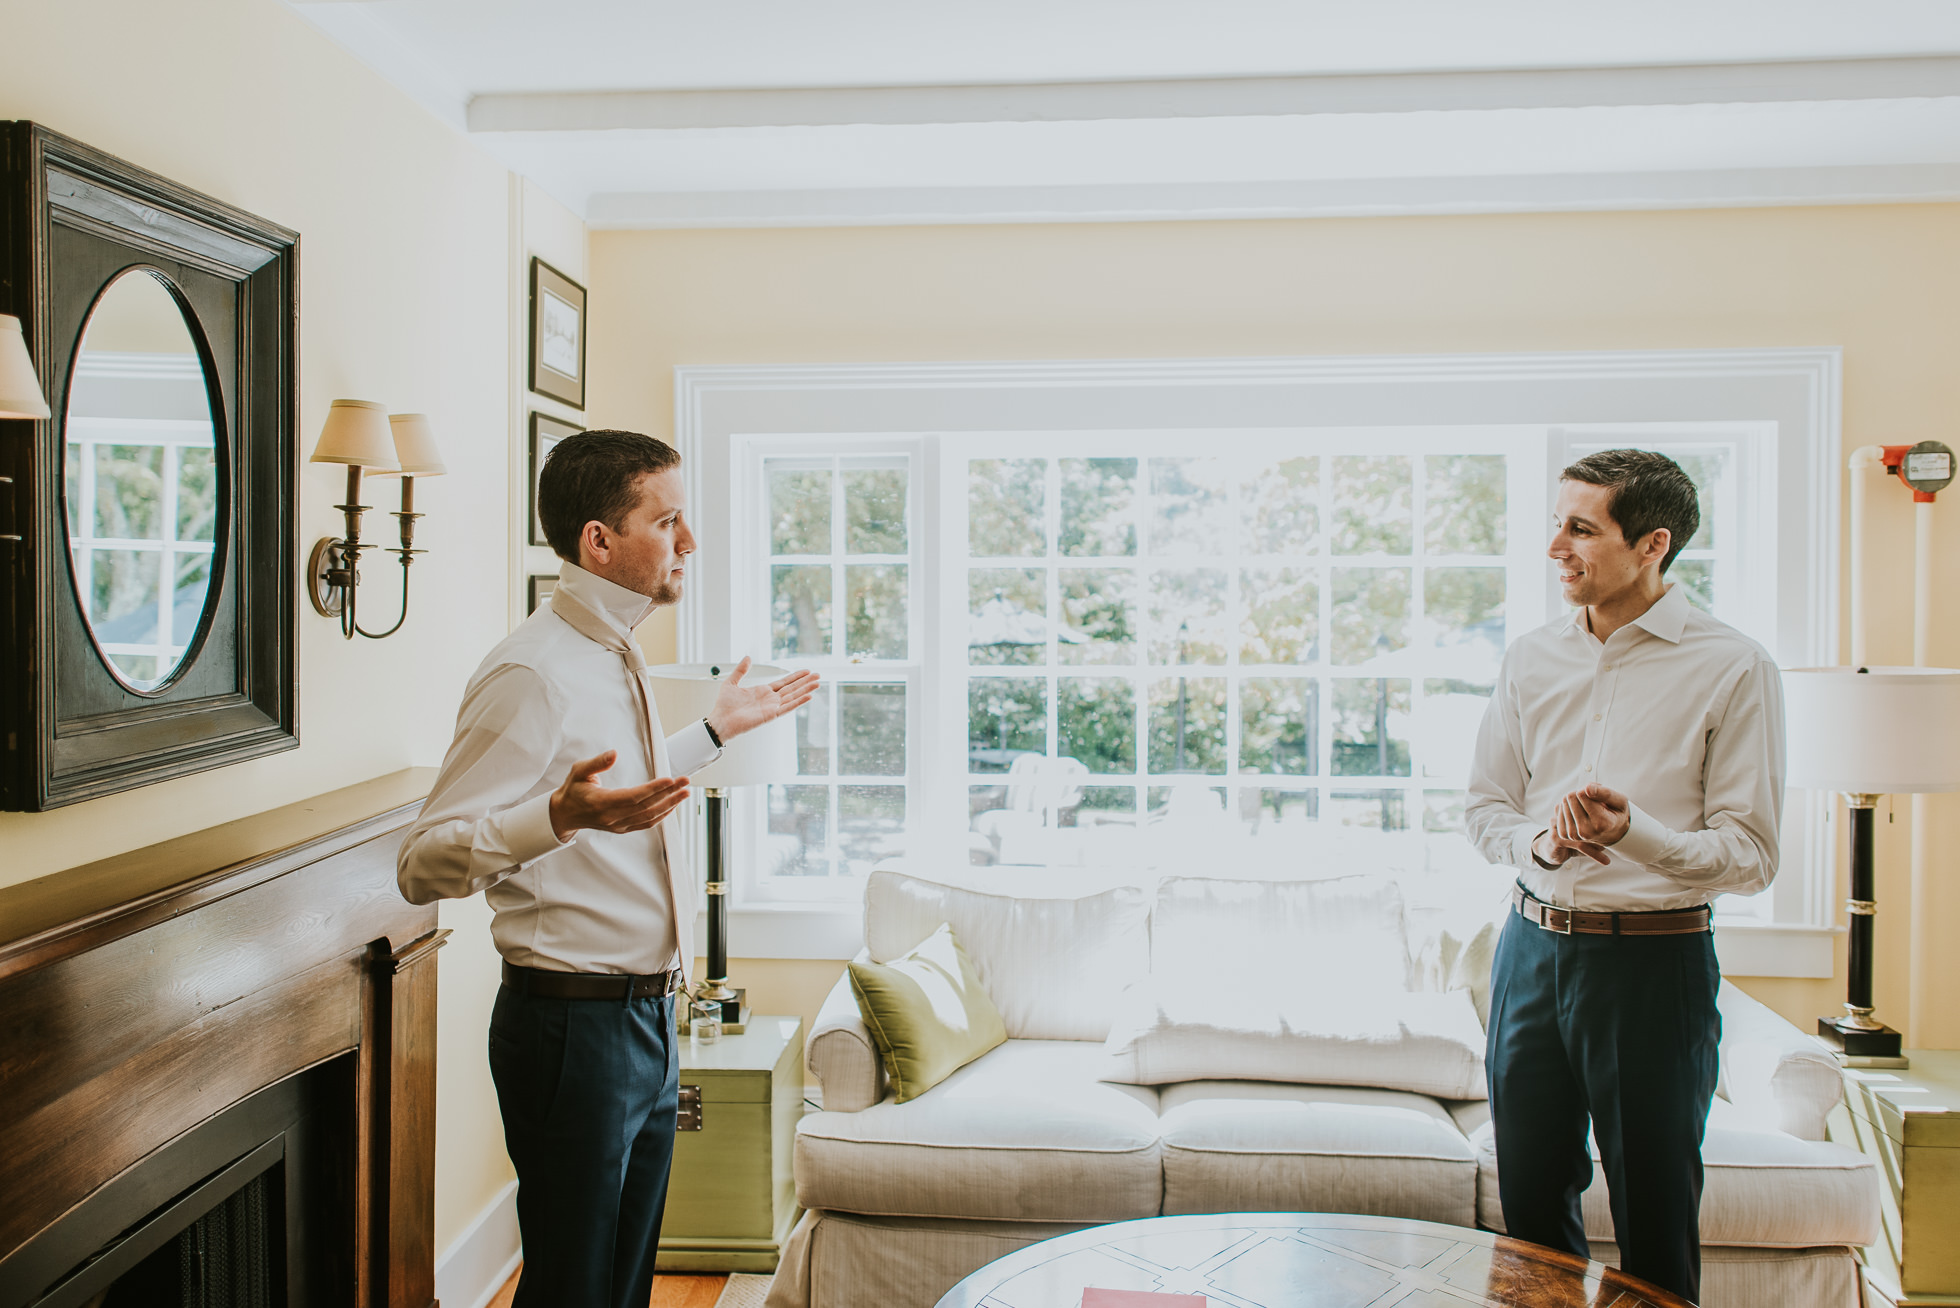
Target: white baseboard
{"x": 475, "y": 1266}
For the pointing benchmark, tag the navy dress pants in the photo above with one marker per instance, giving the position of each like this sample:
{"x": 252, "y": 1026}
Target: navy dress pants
{"x": 1620, "y": 1031}
{"x": 588, "y": 1089}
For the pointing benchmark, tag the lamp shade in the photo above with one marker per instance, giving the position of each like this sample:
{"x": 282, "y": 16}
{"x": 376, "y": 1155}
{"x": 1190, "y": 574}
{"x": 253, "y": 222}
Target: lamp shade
{"x": 415, "y": 445}
{"x": 357, "y": 432}
{"x": 686, "y": 691}
{"x": 20, "y": 390}
{"x": 1881, "y": 731}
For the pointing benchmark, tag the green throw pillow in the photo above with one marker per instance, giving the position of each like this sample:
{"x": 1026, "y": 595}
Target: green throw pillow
{"x": 927, "y": 1013}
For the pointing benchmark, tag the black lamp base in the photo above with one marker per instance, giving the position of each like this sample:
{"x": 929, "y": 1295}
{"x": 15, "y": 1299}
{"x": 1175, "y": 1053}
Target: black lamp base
{"x": 1858, "y": 1042}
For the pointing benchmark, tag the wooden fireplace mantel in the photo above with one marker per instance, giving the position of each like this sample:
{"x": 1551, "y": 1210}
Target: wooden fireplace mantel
{"x": 143, "y": 995}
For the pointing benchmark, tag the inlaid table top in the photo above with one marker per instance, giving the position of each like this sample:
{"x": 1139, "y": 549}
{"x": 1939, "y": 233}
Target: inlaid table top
{"x": 1302, "y": 1260}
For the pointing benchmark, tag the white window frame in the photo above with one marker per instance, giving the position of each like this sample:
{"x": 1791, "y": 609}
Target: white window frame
{"x": 1789, "y": 397}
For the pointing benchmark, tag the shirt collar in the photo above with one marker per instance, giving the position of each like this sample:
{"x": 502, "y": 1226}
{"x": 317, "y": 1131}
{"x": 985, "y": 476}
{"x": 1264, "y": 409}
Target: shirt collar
{"x": 622, "y": 609}
{"x": 1666, "y": 617}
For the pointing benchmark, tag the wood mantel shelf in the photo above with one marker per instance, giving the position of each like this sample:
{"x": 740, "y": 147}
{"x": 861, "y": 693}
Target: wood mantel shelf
{"x": 143, "y": 997}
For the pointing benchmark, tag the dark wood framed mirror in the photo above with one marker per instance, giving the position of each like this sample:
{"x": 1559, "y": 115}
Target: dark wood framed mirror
{"x": 148, "y": 593}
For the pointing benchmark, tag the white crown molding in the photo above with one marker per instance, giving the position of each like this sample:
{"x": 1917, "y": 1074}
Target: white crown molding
{"x": 1219, "y": 97}
{"x": 1364, "y": 197}
{"x": 363, "y": 33}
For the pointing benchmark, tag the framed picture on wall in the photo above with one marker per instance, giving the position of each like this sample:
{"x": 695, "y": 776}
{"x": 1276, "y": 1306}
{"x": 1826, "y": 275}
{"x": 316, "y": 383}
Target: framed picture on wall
{"x": 546, "y": 431}
{"x": 540, "y": 590}
{"x": 557, "y": 335}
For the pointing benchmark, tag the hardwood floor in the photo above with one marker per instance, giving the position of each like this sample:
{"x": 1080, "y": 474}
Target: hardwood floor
{"x": 668, "y": 1291}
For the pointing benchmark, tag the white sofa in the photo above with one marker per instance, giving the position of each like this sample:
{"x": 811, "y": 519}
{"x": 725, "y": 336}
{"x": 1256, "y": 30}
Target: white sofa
{"x": 1027, "y": 1142}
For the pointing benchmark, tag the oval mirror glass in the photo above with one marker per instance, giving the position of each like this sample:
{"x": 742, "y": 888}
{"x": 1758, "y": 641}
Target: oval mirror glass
{"x": 142, "y": 480}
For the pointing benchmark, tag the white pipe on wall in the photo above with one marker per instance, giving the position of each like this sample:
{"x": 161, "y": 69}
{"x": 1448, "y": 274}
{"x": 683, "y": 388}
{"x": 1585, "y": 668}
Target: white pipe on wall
{"x": 1863, "y": 461}
{"x": 1919, "y": 970}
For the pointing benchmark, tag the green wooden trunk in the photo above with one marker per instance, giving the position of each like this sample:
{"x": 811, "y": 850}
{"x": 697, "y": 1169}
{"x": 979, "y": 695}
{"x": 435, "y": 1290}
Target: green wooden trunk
{"x": 732, "y": 1200}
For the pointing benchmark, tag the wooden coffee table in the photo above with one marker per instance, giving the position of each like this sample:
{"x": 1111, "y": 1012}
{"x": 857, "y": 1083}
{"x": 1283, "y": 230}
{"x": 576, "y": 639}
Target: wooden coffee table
{"x": 1302, "y": 1260}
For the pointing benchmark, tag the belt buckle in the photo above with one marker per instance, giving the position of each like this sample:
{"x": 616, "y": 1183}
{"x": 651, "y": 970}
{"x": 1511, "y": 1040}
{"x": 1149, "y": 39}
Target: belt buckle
{"x": 1545, "y": 920}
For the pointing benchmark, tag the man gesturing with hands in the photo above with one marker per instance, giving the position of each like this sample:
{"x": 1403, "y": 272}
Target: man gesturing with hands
{"x": 1630, "y": 766}
{"x": 551, "y": 802}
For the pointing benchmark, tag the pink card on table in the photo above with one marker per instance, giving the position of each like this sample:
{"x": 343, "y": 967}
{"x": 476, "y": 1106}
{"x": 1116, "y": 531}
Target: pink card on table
{"x": 1094, "y": 1298}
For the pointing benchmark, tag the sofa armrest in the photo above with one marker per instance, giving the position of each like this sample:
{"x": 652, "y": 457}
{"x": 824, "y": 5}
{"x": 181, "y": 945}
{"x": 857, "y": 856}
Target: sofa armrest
{"x": 843, "y": 1055}
{"x": 1772, "y": 1071}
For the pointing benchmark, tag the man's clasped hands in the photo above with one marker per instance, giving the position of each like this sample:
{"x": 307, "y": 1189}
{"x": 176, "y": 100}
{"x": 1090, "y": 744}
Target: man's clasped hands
{"x": 1585, "y": 822}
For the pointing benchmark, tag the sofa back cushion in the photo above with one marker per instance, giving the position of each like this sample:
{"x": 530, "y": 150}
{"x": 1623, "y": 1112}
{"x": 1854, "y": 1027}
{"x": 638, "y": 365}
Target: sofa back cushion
{"x": 1331, "y": 937}
{"x": 1053, "y": 962}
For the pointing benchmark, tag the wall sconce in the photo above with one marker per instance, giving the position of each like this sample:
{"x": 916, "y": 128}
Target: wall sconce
{"x": 403, "y": 445}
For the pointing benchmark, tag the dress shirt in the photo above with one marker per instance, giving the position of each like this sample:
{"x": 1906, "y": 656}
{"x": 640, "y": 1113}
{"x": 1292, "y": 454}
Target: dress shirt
{"x": 1679, "y": 712}
{"x": 543, "y": 699}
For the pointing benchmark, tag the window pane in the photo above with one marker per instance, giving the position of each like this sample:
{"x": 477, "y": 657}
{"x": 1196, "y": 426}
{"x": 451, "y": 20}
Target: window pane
{"x": 1189, "y": 508}
{"x": 813, "y": 734}
{"x": 1187, "y": 616}
{"x": 1282, "y": 615}
{"x": 1465, "y": 504}
{"x": 799, "y": 508}
{"x": 1268, "y": 813}
{"x": 1098, "y": 507}
{"x": 1282, "y": 509}
{"x": 1464, "y": 608}
{"x": 1697, "y": 577}
{"x": 870, "y": 825}
{"x": 1099, "y": 616}
{"x": 123, "y": 608}
{"x": 1188, "y": 805}
{"x": 1371, "y": 810}
{"x": 1446, "y": 845}
{"x": 1006, "y": 508}
{"x": 874, "y": 510}
{"x": 1447, "y": 724}
{"x": 1187, "y": 724}
{"x": 187, "y": 600}
{"x": 1371, "y": 500}
{"x": 129, "y": 492}
{"x": 71, "y": 476}
{"x": 1371, "y": 727}
{"x": 876, "y": 597}
{"x": 1006, "y": 717}
{"x": 1706, "y": 469}
{"x": 1370, "y": 613}
{"x": 799, "y": 610}
{"x": 1007, "y": 616}
{"x": 197, "y": 494}
{"x": 1279, "y": 725}
{"x": 1096, "y": 723}
{"x": 1112, "y": 802}
{"x": 799, "y": 823}
{"x": 871, "y": 734}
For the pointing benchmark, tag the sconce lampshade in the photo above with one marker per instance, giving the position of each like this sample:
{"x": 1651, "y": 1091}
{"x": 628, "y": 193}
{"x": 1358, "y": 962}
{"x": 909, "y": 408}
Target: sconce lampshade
{"x": 415, "y": 445}
{"x": 686, "y": 691}
{"x": 357, "y": 432}
{"x": 20, "y": 391}
{"x": 1884, "y": 731}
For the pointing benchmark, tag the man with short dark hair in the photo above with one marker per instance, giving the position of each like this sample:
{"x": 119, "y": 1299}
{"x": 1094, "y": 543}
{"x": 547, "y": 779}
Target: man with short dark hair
{"x": 594, "y": 921}
{"x": 1630, "y": 765}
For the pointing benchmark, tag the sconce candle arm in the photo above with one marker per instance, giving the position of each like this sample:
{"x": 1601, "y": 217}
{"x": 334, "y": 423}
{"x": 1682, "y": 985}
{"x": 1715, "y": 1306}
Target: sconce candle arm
{"x": 407, "y": 552}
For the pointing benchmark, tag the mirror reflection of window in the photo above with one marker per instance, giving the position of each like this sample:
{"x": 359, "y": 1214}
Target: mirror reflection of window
{"x": 142, "y": 480}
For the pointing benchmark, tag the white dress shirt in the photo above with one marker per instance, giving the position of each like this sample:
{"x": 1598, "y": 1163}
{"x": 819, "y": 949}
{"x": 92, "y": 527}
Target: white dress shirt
{"x": 1679, "y": 712}
{"x": 543, "y": 699}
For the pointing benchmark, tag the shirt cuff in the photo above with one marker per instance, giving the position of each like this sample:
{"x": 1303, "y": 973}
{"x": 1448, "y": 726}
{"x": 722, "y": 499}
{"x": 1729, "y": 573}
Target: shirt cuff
{"x": 1646, "y": 839}
{"x": 691, "y": 748}
{"x": 527, "y": 830}
{"x": 1521, "y": 855}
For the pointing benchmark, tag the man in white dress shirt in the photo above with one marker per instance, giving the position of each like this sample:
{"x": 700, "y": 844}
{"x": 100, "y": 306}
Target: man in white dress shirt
{"x": 550, "y": 801}
{"x": 1630, "y": 766}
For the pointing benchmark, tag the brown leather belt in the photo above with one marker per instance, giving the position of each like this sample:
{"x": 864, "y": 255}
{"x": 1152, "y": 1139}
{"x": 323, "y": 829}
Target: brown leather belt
{"x": 1569, "y": 921}
{"x": 589, "y": 985}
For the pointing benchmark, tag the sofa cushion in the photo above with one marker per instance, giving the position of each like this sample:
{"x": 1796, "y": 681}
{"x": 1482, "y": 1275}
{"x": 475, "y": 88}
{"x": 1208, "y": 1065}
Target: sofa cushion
{"x": 1249, "y": 1146}
{"x": 1025, "y": 1133}
{"x": 1053, "y": 962}
{"x": 927, "y": 1012}
{"x": 1761, "y": 1187}
{"x": 1342, "y": 935}
{"x": 1168, "y": 1030}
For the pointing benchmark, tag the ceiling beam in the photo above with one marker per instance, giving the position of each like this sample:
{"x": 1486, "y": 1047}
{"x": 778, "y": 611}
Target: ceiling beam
{"x": 1233, "y": 97}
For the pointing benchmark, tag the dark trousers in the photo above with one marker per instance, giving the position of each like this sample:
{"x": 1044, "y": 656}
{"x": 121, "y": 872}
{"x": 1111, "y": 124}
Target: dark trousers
{"x": 588, "y": 1089}
{"x": 1622, "y": 1031}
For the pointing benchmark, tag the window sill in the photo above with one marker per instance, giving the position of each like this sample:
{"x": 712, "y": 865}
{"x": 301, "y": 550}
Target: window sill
{"x": 1770, "y": 949}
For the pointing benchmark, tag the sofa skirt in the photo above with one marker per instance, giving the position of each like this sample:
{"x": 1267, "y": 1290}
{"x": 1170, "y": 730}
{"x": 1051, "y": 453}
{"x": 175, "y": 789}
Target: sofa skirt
{"x": 847, "y": 1260}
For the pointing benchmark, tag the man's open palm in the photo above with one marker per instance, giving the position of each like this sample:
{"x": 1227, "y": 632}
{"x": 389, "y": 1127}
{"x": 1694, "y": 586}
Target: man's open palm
{"x": 740, "y": 708}
{"x": 582, "y": 803}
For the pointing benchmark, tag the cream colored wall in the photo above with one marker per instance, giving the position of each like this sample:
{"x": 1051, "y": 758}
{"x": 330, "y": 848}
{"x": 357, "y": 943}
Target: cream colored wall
{"x": 1881, "y": 282}
{"x": 404, "y": 266}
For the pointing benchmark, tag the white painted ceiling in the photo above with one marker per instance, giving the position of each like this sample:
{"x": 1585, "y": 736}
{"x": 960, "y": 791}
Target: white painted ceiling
{"x": 782, "y": 112}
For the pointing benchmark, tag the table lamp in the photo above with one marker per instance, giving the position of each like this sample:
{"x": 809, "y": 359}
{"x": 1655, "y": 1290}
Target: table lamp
{"x": 685, "y": 692}
{"x": 1866, "y": 732}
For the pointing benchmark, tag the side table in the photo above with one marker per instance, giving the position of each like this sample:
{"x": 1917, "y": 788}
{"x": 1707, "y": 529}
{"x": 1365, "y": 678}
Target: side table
{"x": 1908, "y": 1122}
{"x": 732, "y": 1200}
